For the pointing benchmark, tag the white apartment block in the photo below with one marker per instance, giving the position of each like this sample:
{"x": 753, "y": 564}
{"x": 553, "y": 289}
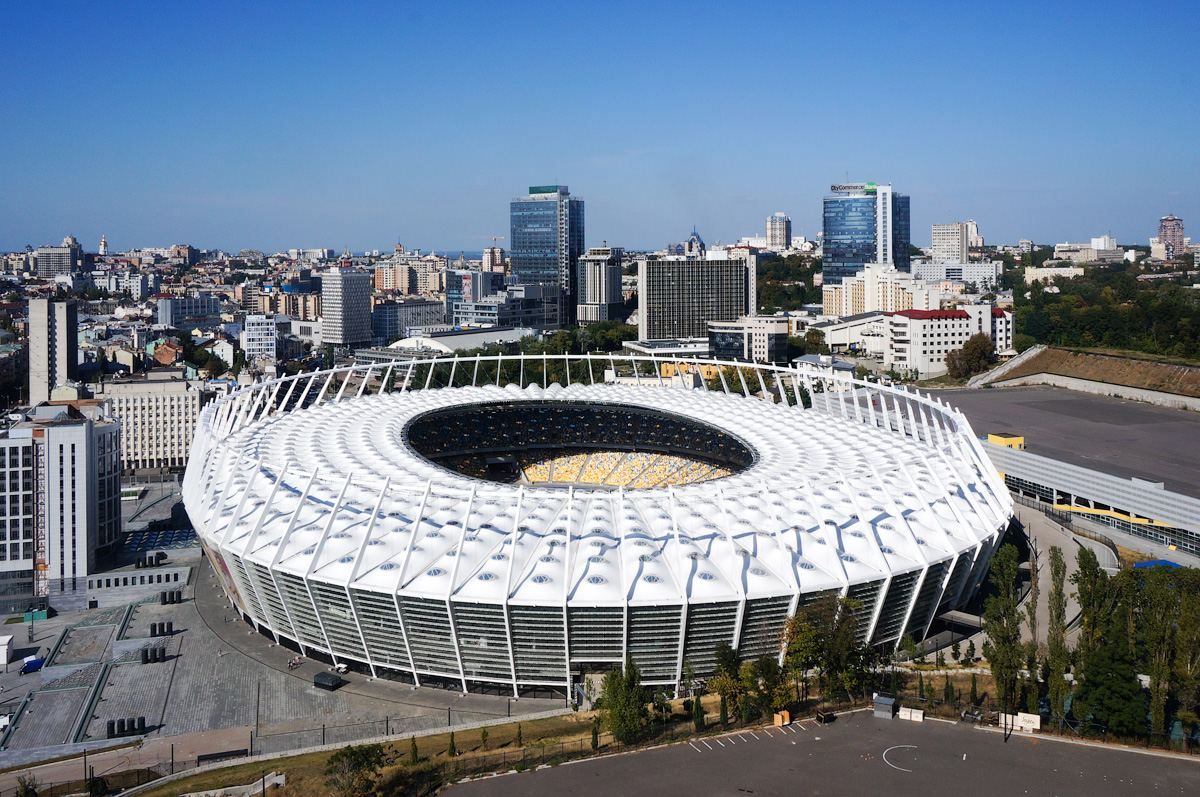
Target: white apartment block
{"x": 493, "y": 259}
{"x": 779, "y": 232}
{"x": 62, "y": 463}
{"x": 599, "y": 290}
{"x": 139, "y": 286}
{"x": 1047, "y": 273}
{"x": 346, "y": 308}
{"x": 984, "y": 275}
{"x": 879, "y": 288}
{"x": 1098, "y": 250}
{"x": 950, "y": 243}
{"x": 158, "y": 413}
{"x": 53, "y": 346}
{"x": 260, "y": 336}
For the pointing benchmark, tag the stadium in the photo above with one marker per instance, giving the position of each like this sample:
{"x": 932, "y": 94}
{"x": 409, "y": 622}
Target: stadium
{"x": 512, "y": 522}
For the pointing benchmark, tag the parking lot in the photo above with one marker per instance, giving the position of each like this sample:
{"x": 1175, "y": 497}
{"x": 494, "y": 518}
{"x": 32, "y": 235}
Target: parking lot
{"x": 858, "y": 754}
{"x": 1116, "y": 436}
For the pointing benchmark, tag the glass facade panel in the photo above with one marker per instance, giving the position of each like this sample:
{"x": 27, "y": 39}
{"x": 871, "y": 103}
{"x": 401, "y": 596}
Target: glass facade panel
{"x": 849, "y": 236}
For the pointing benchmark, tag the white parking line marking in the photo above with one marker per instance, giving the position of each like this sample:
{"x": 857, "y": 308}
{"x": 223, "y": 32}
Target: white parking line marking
{"x": 743, "y": 738}
{"x": 706, "y": 744}
{"x": 755, "y": 735}
{"x": 720, "y": 742}
{"x": 694, "y": 747}
{"x": 897, "y": 747}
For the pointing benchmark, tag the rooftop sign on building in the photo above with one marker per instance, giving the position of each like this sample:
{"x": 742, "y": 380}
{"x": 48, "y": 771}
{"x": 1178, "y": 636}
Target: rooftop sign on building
{"x": 853, "y": 188}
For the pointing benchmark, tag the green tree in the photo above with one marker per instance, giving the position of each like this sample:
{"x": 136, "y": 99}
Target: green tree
{"x": 1002, "y": 624}
{"x": 974, "y": 357}
{"x": 1187, "y": 646}
{"x": 1158, "y": 609}
{"x": 452, "y": 750}
{"x": 1031, "y": 609}
{"x": 1057, "y": 653}
{"x": 352, "y": 770}
{"x": 1110, "y": 688}
{"x": 28, "y": 785}
{"x": 971, "y": 650}
{"x": 697, "y": 714}
{"x": 802, "y": 650}
{"x": 1095, "y": 599}
{"x": 520, "y": 736}
{"x": 956, "y": 651}
{"x": 726, "y": 659}
{"x": 974, "y": 690}
{"x": 1021, "y": 342}
{"x": 483, "y": 738}
{"x": 596, "y": 733}
{"x": 687, "y": 678}
{"x": 413, "y": 756}
{"x": 624, "y": 709}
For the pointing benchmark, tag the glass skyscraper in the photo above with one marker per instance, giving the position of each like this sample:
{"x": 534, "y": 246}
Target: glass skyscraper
{"x": 546, "y": 233}
{"x": 864, "y": 223}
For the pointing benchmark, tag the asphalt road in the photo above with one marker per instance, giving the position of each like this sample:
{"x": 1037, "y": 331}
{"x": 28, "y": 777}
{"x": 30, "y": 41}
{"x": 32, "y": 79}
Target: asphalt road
{"x": 859, "y": 755}
{"x": 1115, "y": 436}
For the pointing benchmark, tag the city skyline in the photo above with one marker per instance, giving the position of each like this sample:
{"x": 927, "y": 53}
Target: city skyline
{"x": 250, "y": 127}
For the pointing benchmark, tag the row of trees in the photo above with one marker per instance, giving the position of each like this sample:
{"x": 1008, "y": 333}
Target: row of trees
{"x": 1112, "y": 308}
{"x": 1138, "y": 622}
{"x": 820, "y": 643}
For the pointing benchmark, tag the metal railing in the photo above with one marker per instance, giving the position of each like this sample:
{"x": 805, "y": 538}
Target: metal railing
{"x": 894, "y": 408}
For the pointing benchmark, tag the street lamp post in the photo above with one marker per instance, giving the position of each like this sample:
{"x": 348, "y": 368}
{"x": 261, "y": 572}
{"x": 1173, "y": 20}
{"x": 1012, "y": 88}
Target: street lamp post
{"x": 31, "y": 619}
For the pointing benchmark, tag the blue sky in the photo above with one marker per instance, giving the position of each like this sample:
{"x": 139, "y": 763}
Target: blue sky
{"x": 274, "y": 125}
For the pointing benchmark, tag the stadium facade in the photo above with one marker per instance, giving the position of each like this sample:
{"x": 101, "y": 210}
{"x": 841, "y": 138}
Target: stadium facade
{"x": 453, "y": 520}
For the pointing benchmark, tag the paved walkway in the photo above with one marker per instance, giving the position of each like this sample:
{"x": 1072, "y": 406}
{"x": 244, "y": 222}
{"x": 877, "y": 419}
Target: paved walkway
{"x": 239, "y": 636}
{"x": 1044, "y": 534}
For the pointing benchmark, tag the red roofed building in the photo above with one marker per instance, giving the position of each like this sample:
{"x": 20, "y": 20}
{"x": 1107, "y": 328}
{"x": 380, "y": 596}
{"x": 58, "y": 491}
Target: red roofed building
{"x": 918, "y": 340}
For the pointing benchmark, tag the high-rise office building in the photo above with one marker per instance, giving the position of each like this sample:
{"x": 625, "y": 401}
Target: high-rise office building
{"x": 53, "y": 346}
{"x": 951, "y": 243}
{"x": 678, "y": 296}
{"x": 546, "y": 232}
{"x": 779, "y": 232}
{"x": 346, "y": 308}
{"x": 600, "y": 285}
{"x": 62, "y": 259}
{"x": 1170, "y": 236}
{"x": 864, "y": 223}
